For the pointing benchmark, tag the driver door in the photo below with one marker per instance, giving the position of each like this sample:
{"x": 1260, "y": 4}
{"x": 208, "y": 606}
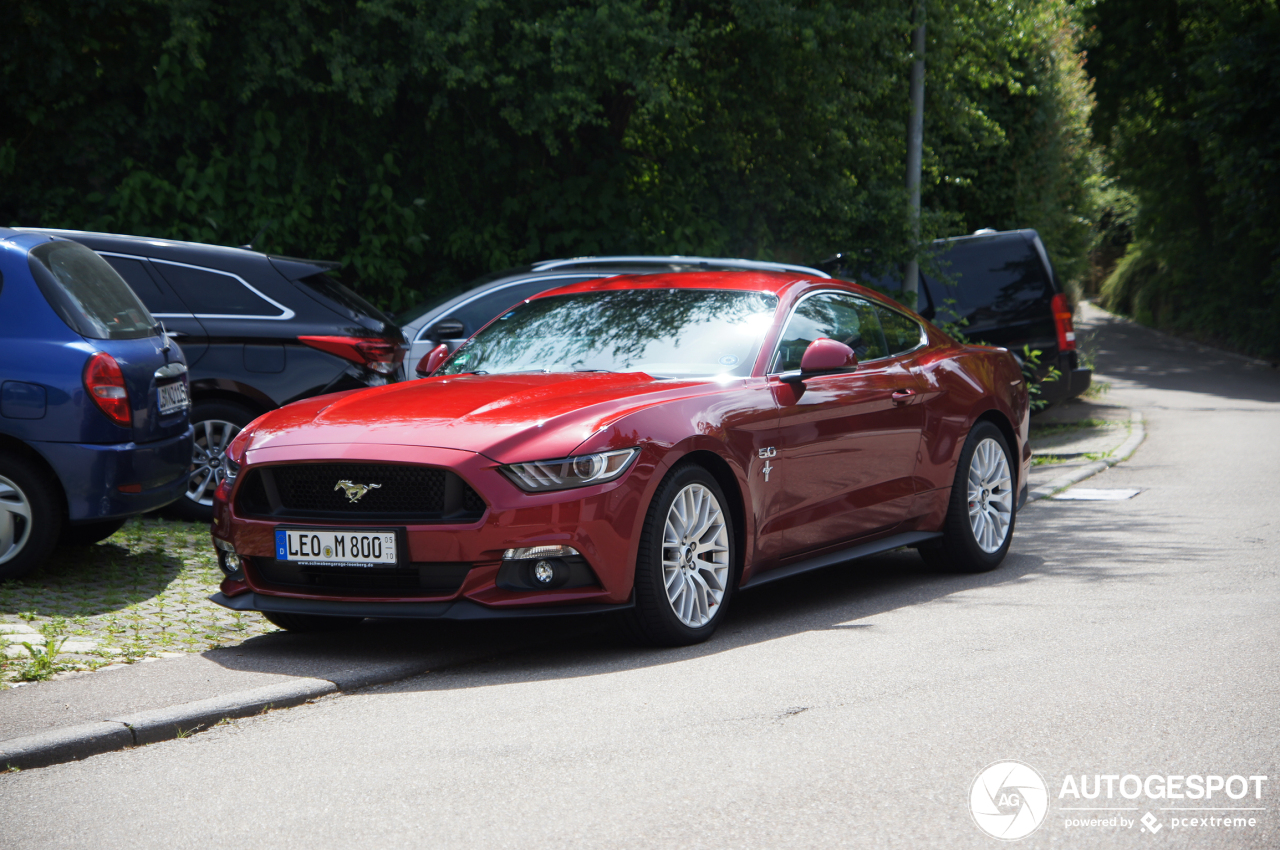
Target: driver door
{"x": 847, "y": 443}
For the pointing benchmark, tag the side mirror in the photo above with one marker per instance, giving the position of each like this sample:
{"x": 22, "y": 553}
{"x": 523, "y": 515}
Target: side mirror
{"x": 447, "y": 329}
{"x": 823, "y": 357}
{"x": 432, "y": 360}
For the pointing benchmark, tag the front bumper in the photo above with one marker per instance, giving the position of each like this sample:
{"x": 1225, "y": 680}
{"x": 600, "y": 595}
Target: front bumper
{"x": 1074, "y": 380}
{"x": 601, "y": 523}
{"x": 92, "y": 474}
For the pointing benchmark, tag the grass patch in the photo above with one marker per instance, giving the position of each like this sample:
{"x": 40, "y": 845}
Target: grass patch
{"x": 141, "y": 592}
{"x": 1051, "y": 428}
{"x": 1045, "y": 460}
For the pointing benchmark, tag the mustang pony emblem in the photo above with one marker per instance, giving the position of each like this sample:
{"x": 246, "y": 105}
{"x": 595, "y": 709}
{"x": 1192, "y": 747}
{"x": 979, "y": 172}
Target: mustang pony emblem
{"x": 355, "y": 492}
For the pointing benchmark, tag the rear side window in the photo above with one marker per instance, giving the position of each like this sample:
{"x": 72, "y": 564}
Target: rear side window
{"x": 901, "y": 333}
{"x": 210, "y": 293}
{"x": 157, "y": 298}
{"x": 88, "y": 294}
{"x": 479, "y": 312}
{"x": 988, "y": 278}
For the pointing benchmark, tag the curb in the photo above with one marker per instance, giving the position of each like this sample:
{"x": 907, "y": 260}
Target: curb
{"x": 1137, "y": 433}
{"x": 149, "y": 727}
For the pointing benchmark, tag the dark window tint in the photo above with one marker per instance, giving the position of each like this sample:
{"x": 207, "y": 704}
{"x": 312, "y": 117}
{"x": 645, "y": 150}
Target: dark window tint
{"x": 479, "y": 312}
{"x": 988, "y": 279}
{"x": 156, "y": 296}
{"x": 901, "y": 333}
{"x": 207, "y": 292}
{"x": 345, "y": 300}
{"x": 88, "y": 294}
{"x": 834, "y": 316}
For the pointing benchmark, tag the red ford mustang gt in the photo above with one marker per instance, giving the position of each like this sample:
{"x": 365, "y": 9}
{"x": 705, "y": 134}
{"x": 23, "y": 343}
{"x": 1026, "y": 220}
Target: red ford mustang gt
{"x": 645, "y": 444}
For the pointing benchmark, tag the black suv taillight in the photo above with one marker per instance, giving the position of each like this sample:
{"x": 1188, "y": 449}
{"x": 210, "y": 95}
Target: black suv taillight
{"x": 378, "y": 355}
{"x": 1062, "y": 321}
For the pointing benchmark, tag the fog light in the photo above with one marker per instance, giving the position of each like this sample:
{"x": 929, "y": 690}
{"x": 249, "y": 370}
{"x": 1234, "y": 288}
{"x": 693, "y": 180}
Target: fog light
{"x": 228, "y": 560}
{"x": 530, "y": 552}
{"x": 544, "y": 572}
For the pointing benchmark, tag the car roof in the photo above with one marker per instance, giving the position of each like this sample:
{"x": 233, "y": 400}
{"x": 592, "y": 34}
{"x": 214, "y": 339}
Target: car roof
{"x": 217, "y": 255}
{"x": 774, "y": 283}
{"x": 678, "y": 260}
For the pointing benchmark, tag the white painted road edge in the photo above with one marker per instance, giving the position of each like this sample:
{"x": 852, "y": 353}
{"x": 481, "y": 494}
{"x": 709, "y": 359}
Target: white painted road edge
{"x": 1137, "y": 433}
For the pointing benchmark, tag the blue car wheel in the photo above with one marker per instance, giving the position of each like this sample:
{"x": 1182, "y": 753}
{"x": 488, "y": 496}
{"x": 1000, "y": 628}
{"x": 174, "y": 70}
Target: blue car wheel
{"x": 30, "y": 516}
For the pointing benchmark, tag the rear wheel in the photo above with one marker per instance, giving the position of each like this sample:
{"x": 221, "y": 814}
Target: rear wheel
{"x": 981, "y": 512}
{"x": 311, "y": 622}
{"x": 30, "y": 516}
{"x": 685, "y": 568}
{"x": 216, "y": 425}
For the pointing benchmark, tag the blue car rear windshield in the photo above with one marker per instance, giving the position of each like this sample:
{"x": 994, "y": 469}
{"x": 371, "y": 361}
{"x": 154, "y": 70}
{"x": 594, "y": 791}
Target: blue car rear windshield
{"x": 662, "y": 332}
{"x": 88, "y": 294}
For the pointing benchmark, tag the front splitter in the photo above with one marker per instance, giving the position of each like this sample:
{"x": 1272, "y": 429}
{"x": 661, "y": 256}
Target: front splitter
{"x": 458, "y": 609}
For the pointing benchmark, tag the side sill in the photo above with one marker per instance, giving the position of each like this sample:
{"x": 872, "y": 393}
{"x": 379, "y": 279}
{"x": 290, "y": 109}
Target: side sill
{"x": 862, "y": 550}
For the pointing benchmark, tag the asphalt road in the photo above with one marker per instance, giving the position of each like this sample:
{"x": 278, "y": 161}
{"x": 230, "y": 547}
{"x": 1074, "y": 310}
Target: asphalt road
{"x": 852, "y": 707}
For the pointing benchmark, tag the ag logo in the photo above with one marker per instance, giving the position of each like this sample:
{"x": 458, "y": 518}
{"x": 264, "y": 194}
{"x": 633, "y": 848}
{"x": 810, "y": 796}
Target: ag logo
{"x": 1008, "y": 800}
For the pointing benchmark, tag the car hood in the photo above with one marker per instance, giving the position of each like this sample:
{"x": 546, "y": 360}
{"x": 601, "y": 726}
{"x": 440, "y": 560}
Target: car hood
{"x": 507, "y": 418}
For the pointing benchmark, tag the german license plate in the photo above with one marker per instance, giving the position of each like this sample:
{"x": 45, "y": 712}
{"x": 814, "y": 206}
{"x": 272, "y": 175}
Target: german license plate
{"x": 173, "y": 397}
{"x": 353, "y": 548}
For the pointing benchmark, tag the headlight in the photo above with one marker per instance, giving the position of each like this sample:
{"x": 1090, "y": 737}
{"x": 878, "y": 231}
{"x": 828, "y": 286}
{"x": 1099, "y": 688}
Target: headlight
{"x": 540, "y": 476}
{"x": 230, "y": 469}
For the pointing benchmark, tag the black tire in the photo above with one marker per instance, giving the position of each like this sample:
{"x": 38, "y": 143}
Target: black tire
{"x": 311, "y": 622}
{"x": 31, "y": 515}
{"x": 654, "y": 619}
{"x": 213, "y": 421}
{"x": 959, "y": 550}
{"x": 89, "y": 533}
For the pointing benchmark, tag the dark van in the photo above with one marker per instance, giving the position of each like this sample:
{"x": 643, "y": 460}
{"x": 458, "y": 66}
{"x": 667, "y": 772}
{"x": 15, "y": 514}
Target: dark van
{"x": 1002, "y": 289}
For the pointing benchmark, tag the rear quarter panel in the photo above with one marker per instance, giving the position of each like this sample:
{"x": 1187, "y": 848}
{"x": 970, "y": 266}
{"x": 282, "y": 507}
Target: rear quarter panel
{"x": 964, "y": 384}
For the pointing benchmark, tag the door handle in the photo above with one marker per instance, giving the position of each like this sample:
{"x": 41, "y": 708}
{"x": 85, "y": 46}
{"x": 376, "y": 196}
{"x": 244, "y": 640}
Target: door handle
{"x": 903, "y": 396}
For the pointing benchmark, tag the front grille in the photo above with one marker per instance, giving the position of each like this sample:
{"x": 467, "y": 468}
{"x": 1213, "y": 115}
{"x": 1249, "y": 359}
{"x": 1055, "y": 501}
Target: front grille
{"x": 422, "y": 579}
{"x": 325, "y": 490}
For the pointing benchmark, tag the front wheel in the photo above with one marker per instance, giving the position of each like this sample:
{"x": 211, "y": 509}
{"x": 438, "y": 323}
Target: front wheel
{"x": 685, "y": 568}
{"x": 981, "y": 513}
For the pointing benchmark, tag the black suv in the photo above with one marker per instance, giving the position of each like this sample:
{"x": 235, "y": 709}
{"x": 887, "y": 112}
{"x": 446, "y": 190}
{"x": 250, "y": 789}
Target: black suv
{"x": 1002, "y": 289}
{"x": 258, "y": 331}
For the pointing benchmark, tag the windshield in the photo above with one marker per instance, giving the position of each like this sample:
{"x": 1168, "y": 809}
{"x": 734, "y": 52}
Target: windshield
{"x": 662, "y": 332}
{"x": 88, "y": 294}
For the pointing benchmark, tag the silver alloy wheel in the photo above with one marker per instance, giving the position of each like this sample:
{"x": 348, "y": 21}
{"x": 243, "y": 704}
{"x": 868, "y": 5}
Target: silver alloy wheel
{"x": 209, "y": 459}
{"x": 695, "y": 555}
{"x": 15, "y": 520}
{"x": 990, "y": 495}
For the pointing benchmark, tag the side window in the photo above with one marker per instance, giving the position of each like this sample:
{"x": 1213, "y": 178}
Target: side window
{"x": 159, "y": 299}
{"x": 835, "y": 316}
{"x": 211, "y": 293}
{"x": 901, "y": 333}
{"x": 477, "y": 314}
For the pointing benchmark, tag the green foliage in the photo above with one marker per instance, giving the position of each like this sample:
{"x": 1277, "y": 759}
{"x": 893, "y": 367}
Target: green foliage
{"x": 1189, "y": 104}
{"x": 422, "y": 142}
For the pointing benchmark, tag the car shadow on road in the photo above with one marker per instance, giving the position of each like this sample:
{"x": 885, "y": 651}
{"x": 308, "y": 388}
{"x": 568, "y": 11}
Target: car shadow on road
{"x": 1063, "y": 543}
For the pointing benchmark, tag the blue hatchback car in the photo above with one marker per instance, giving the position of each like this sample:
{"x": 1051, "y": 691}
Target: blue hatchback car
{"x": 94, "y": 402}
